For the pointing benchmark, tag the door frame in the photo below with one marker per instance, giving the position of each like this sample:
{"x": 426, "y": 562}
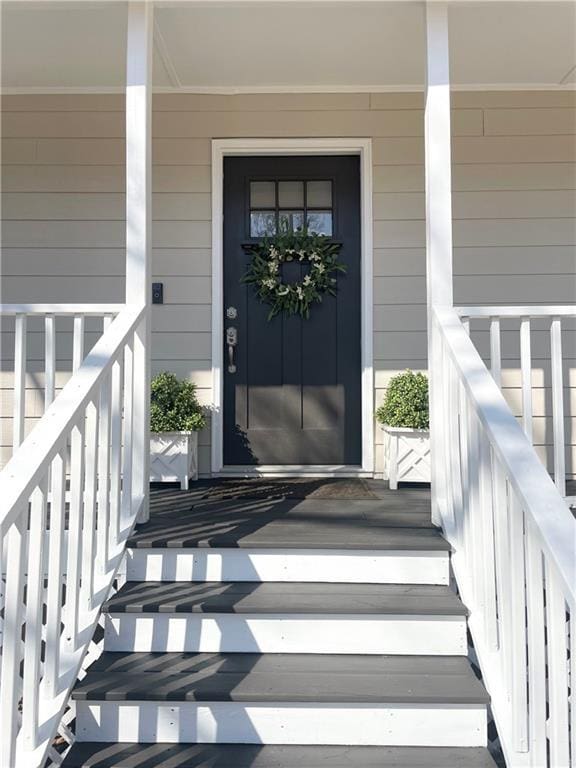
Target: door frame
{"x": 317, "y": 146}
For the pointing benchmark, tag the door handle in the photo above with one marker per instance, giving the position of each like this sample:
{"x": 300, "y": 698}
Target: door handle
{"x": 231, "y": 341}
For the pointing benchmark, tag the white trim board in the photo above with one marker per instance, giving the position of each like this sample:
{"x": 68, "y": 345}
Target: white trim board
{"x": 328, "y": 146}
{"x": 185, "y": 564}
{"x": 402, "y": 634}
{"x": 213, "y": 722}
{"x": 235, "y": 90}
{"x": 295, "y": 470}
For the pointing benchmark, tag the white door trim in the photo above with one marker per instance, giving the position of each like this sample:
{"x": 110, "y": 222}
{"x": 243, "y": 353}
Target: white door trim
{"x": 330, "y": 146}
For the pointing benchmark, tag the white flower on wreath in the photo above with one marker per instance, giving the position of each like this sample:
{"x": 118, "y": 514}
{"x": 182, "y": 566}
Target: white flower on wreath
{"x": 320, "y": 268}
{"x": 300, "y": 292}
{"x": 302, "y": 254}
{"x": 273, "y": 267}
{"x": 269, "y": 283}
{"x": 307, "y": 280}
{"x": 273, "y": 253}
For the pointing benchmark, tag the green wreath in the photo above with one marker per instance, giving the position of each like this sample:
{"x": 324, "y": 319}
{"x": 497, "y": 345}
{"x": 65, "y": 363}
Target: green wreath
{"x": 265, "y": 270}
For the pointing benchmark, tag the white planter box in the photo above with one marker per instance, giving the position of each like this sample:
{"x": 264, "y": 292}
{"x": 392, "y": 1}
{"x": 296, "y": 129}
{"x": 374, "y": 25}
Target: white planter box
{"x": 407, "y": 455}
{"x": 173, "y": 457}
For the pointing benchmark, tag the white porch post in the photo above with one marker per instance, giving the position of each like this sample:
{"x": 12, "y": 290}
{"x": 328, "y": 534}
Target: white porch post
{"x": 138, "y": 224}
{"x": 438, "y": 214}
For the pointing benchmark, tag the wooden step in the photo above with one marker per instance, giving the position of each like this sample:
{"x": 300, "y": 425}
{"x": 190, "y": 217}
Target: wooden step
{"x": 306, "y": 524}
{"x": 285, "y": 617}
{"x": 381, "y": 540}
{"x": 272, "y": 597}
{"x": 280, "y": 677}
{"x": 98, "y": 755}
{"x": 282, "y": 698}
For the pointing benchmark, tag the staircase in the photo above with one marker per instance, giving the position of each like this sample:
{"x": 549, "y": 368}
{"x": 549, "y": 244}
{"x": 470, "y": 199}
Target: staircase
{"x": 259, "y": 631}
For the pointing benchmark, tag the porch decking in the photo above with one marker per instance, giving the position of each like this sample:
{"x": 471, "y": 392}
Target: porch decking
{"x": 258, "y": 513}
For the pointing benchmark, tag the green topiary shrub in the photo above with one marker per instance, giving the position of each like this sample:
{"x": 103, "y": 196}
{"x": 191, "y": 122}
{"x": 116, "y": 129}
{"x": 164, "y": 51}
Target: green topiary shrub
{"x": 174, "y": 406}
{"x": 406, "y": 402}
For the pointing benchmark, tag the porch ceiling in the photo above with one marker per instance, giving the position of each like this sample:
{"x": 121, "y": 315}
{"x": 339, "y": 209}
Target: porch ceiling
{"x": 288, "y": 45}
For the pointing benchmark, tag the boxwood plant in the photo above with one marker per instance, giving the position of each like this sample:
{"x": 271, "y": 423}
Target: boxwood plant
{"x": 174, "y": 406}
{"x": 406, "y": 402}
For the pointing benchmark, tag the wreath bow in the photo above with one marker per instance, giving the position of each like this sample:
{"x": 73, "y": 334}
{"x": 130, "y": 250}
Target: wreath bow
{"x": 318, "y": 252}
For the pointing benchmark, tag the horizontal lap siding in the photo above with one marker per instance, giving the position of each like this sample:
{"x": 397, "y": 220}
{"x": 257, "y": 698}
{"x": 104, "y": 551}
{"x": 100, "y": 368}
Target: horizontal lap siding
{"x": 514, "y": 179}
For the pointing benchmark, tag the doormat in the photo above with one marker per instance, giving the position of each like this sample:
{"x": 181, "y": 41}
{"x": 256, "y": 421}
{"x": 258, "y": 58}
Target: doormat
{"x": 296, "y": 488}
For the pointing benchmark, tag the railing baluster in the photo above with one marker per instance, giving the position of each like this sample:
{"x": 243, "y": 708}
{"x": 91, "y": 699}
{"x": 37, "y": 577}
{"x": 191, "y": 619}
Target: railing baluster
{"x": 116, "y": 451}
{"x": 104, "y": 477}
{"x": 444, "y": 403}
{"x": 572, "y": 679}
{"x": 55, "y": 574}
{"x": 34, "y": 605}
{"x": 487, "y": 524}
{"x": 558, "y": 728}
{"x": 74, "y": 561}
{"x": 465, "y": 482}
{"x": 78, "y": 342}
{"x": 436, "y": 448}
{"x": 10, "y": 682}
{"x": 501, "y": 563}
{"x": 496, "y": 350}
{"x": 89, "y": 526}
{"x": 453, "y": 436}
{"x": 526, "y": 374}
{"x": 536, "y": 647}
{"x": 19, "y": 380}
{"x": 49, "y": 360}
{"x": 558, "y": 405}
{"x": 463, "y": 444}
{"x": 474, "y": 549}
{"x": 141, "y": 436}
{"x": 518, "y": 627}
{"x": 127, "y": 458}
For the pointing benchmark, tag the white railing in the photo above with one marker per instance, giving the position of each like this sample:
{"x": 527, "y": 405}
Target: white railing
{"x": 514, "y": 558}
{"x": 61, "y": 558}
{"x": 543, "y": 370}
{"x": 50, "y": 342}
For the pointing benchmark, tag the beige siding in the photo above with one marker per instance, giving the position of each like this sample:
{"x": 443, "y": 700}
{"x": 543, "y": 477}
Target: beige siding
{"x": 514, "y": 180}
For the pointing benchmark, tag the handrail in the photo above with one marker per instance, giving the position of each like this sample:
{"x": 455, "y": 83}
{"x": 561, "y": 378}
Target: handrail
{"x": 518, "y": 349}
{"x": 531, "y": 481}
{"x": 45, "y": 325}
{"x": 506, "y": 311}
{"x": 514, "y": 545}
{"x": 21, "y": 474}
{"x": 65, "y": 546}
{"x": 96, "y": 310}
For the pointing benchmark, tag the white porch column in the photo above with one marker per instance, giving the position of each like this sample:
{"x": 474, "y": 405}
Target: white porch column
{"x": 138, "y": 223}
{"x": 438, "y": 213}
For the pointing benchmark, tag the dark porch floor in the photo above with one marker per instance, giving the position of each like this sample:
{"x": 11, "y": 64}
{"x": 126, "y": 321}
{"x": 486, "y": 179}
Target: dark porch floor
{"x": 330, "y": 514}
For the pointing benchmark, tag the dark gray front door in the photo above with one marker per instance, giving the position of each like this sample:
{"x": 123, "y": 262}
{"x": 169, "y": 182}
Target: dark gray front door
{"x": 295, "y": 397}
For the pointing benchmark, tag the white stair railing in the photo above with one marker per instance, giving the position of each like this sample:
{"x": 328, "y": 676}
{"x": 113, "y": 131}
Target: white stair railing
{"x": 514, "y": 556}
{"x": 520, "y": 324}
{"x": 61, "y": 556}
{"x": 50, "y": 341}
